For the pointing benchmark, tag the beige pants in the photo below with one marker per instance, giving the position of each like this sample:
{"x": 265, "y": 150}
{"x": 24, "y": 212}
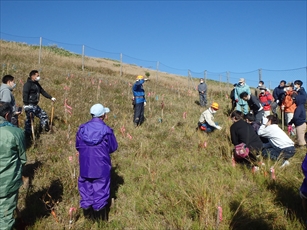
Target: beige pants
{"x": 300, "y": 134}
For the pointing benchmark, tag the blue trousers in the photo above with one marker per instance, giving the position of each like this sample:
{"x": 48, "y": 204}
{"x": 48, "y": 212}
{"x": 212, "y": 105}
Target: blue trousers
{"x": 275, "y": 152}
{"x": 202, "y": 100}
{"x": 138, "y": 117}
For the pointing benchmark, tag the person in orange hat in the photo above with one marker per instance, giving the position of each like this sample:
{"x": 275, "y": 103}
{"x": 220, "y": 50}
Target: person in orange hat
{"x": 206, "y": 122}
{"x": 139, "y": 100}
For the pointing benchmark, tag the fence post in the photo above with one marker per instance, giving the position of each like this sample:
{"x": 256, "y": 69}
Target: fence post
{"x": 227, "y": 73}
{"x": 82, "y": 57}
{"x": 157, "y": 72}
{"x": 40, "y": 50}
{"x": 121, "y": 64}
{"x": 260, "y": 74}
{"x": 205, "y": 76}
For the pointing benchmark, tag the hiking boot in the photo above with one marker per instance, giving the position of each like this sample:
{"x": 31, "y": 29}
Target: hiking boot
{"x": 88, "y": 213}
{"x": 101, "y": 214}
{"x": 47, "y": 128}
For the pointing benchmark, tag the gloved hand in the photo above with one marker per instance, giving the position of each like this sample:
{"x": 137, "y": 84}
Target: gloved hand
{"x": 277, "y": 101}
{"x": 27, "y": 107}
{"x": 218, "y": 127}
{"x": 53, "y": 99}
{"x": 144, "y": 103}
{"x": 146, "y": 79}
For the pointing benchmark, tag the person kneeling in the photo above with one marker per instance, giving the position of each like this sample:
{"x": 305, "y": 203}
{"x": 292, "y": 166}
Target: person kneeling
{"x": 206, "y": 122}
{"x": 279, "y": 145}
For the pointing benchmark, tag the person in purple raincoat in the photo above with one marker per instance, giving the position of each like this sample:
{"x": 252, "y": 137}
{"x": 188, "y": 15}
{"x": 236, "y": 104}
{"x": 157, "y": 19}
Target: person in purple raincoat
{"x": 95, "y": 141}
{"x": 303, "y": 189}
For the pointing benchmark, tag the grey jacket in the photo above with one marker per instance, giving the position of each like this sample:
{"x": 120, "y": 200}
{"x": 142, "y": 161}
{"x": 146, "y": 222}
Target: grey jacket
{"x": 7, "y": 96}
{"x": 202, "y": 87}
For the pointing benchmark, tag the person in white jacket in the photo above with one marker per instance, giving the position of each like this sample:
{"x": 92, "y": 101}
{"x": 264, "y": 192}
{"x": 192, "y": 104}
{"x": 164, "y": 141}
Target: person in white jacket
{"x": 206, "y": 121}
{"x": 280, "y": 145}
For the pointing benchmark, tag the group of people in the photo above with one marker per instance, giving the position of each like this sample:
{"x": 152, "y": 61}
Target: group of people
{"x": 290, "y": 98}
{"x": 95, "y": 141}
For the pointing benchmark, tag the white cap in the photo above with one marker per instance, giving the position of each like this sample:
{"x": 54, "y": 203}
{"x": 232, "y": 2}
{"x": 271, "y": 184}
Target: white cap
{"x": 98, "y": 110}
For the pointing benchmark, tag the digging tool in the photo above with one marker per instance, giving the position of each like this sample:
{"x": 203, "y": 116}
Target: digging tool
{"x": 51, "y": 119}
{"x": 32, "y": 126}
{"x": 282, "y": 118}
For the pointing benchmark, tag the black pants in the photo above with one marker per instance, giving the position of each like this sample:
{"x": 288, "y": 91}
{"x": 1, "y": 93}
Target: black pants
{"x": 138, "y": 113}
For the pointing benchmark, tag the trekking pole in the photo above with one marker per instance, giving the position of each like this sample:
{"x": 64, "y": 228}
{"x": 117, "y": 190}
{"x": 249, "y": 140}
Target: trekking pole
{"x": 282, "y": 117}
{"x": 51, "y": 119}
{"x": 32, "y": 126}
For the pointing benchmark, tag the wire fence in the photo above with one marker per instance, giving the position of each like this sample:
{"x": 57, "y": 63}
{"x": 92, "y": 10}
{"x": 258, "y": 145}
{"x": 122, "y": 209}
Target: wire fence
{"x": 271, "y": 78}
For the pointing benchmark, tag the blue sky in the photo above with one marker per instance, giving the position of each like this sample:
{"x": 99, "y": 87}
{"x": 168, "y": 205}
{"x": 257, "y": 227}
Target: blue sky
{"x": 217, "y": 36}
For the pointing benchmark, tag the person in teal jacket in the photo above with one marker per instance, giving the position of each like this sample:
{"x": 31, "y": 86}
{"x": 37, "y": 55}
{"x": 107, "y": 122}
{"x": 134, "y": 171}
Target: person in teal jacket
{"x": 240, "y": 88}
{"x": 12, "y": 158}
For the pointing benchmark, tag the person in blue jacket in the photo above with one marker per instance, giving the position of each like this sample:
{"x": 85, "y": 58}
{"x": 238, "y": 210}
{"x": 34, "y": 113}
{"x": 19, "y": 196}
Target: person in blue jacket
{"x": 240, "y": 88}
{"x": 139, "y": 100}
{"x": 95, "y": 141}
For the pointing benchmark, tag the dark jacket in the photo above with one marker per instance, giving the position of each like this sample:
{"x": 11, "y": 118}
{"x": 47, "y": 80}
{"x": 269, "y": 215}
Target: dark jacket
{"x": 241, "y": 131}
{"x": 278, "y": 94}
{"x": 299, "y": 116}
{"x": 32, "y": 91}
{"x": 254, "y": 104}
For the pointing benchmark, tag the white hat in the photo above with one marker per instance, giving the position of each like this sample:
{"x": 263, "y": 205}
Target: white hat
{"x": 98, "y": 110}
{"x": 242, "y": 80}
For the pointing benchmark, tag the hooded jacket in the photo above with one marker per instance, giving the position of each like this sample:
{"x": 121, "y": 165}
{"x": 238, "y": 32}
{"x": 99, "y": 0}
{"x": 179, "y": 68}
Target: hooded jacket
{"x": 32, "y": 91}
{"x": 12, "y": 157}
{"x": 95, "y": 141}
{"x": 299, "y": 116}
{"x": 7, "y": 96}
{"x": 240, "y": 89}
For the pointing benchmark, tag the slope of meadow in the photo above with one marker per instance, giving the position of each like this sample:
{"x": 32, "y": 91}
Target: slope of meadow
{"x": 166, "y": 175}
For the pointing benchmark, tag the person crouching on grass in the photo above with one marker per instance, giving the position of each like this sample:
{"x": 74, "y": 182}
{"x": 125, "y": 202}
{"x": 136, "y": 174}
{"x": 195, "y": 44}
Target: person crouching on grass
{"x": 206, "y": 122}
{"x": 254, "y": 105}
{"x": 95, "y": 141}
{"x": 280, "y": 145}
{"x": 242, "y": 132}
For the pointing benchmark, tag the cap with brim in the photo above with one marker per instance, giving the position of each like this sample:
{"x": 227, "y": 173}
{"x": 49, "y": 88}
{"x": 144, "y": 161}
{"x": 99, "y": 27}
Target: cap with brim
{"x": 242, "y": 80}
{"x": 98, "y": 110}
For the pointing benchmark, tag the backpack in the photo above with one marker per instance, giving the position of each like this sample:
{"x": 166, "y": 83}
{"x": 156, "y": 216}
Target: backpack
{"x": 241, "y": 151}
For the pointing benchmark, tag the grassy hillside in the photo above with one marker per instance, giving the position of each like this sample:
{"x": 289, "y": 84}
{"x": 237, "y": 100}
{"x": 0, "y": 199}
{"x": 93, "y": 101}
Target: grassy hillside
{"x": 165, "y": 174}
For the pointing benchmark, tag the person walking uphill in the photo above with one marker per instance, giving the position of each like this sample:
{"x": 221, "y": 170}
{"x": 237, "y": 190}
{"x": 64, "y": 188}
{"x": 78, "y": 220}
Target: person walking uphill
{"x": 240, "y": 88}
{"x": 6, "y": 95}
{"x": 12, "y": 158}
{"x": 202, "y": 90}
{"x": 139, "y": 100}
{"x": 31, "y": 92}
{"x": 95, "y": 141}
